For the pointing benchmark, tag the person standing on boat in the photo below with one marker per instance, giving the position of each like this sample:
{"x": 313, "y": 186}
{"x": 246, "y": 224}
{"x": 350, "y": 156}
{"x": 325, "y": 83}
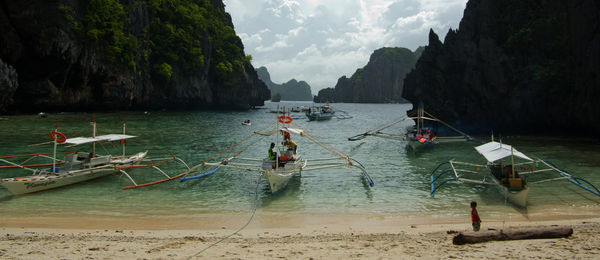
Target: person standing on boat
{"x": 475, "y": 216}
{"x": 272, "y": 155}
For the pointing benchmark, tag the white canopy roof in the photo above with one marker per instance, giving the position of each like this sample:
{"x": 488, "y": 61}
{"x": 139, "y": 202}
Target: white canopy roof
{"x": 100, "y": 138}
{"x": 494, "y": 151}
{"x": 295, "y": 131}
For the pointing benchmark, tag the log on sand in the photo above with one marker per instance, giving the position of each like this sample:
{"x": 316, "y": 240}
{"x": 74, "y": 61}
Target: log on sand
{"x": 537, "y": 233}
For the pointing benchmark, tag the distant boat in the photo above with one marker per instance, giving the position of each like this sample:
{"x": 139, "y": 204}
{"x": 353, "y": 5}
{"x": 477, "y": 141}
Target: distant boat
{"x": 246, "y": 122}
{"x": 320, "y": 113}
{"x": 276, "y": 97}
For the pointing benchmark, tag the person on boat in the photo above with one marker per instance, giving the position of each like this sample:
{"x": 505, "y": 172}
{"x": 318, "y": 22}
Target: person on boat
{"x": 475, "y": 216}
{"x": 286, "y": 135}
{"x": 272, "y": 155}
{"x": 291, "y": 145}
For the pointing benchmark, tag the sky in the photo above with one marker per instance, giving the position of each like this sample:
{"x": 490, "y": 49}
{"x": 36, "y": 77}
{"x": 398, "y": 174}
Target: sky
{"x": 319, "y": 41}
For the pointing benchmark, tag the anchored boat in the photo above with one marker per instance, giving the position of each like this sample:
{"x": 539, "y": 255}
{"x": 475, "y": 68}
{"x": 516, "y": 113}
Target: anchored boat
{"x": 511, "y": 178}
{"x": 283, "y": 163}
{"x": 76, "y": 166}
{"x": 425, "y": 132}
{"x": 320, "y": 113}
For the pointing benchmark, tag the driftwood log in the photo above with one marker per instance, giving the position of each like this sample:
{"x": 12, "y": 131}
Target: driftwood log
{"x": 537, "y": 233}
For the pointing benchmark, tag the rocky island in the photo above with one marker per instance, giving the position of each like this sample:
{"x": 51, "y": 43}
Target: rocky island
{"x": 515, "y": 66}
{"x": 292, "y": 90}
{"x": 380, "y": 81}
{"x": 96, "y": 55}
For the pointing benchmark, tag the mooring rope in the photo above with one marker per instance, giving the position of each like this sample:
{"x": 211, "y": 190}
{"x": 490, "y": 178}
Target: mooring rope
{"x": 241, "y": 228}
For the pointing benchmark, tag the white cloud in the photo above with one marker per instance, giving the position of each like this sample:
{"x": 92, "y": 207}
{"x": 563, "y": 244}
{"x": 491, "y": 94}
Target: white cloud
{"x": 320, "y": 41}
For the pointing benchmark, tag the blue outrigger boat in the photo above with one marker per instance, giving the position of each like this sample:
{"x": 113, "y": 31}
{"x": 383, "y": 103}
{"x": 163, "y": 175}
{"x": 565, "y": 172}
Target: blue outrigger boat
{"x": 512, "y": 179}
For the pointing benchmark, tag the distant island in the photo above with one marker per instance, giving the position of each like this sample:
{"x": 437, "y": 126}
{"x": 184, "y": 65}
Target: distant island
{"x": 380, "y": 81}
{"x": 292, "y": 90}
{"x": 123, "y": 55}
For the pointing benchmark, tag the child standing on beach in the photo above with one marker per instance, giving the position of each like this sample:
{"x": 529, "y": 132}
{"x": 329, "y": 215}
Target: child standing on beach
{"x": 475, "y": 216}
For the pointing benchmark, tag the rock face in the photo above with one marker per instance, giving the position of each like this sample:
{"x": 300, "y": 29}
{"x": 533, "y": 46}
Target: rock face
{"x": 73, "y": 55}
{"x": 380, "y": 81}
{"x": 515, "y": 66}
{"x": 8, "y": 84}
{"x": 291, "y": 90}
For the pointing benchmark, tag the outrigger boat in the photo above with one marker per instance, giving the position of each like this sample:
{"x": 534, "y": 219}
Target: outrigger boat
{"x": 422, "y": 134}
{"x": 320, "y": 113}
{"x": 513, "y": 185}
{"x": 77, "y": 166}
{"x": 279, "y": 169}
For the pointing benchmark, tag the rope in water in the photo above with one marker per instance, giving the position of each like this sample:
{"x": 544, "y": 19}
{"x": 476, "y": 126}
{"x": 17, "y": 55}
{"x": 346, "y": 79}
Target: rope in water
{"x": 241, "y": 228}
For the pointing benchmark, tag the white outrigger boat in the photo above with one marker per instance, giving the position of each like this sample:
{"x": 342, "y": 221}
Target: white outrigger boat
{"x": 320, "y": 113}
{"x": 513, "y": 185}
{"x": 77, "y": 167}
{"x": 421, "y": 135}
{"x": 279, "y": 169}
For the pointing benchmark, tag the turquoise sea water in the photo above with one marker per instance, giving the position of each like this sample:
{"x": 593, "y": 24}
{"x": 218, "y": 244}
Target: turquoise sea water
{"x": 401, "y": 178}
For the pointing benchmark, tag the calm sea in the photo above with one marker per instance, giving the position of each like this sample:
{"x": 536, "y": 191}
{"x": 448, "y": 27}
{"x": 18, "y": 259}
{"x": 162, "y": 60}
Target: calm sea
{"x": 401, "y": 178}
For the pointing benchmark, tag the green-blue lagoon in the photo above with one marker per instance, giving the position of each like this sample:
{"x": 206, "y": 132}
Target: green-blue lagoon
{"x": 401, "y": 177}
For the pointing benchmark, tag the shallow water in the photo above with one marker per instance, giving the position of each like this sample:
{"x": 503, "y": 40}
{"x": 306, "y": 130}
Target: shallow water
{"x": 401, "y": 178}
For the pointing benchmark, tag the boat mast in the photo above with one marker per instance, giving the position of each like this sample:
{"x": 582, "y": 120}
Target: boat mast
{"x": 277, "y": 139}
{"x": 420, "y": 117}
{"x": 512, "y": 159}
{"x": 93, "y": 136}
{"x": 123, "y": 140}
{"x": 54, "y": 152}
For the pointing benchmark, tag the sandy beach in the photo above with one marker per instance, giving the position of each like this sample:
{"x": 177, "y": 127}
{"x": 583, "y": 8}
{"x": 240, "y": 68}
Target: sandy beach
{"x": 272, "y": 236}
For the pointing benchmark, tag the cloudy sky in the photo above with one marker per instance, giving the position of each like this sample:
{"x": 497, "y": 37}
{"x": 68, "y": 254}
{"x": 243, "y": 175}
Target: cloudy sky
{"x": 321, "y": 40}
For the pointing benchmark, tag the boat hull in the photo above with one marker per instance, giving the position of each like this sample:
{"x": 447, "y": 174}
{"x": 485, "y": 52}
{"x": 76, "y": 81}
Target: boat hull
{"x": 36, "y": 183}
{"x": 417, "y": 146}
{"x": 516, "y": 197}
{"x": 88, "y": 171}
{"x": 279, "y": 177}
{"x": 319, "y": 117}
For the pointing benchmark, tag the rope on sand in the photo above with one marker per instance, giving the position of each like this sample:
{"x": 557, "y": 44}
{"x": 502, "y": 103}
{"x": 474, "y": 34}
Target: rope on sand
{"x": 241, "y": 228}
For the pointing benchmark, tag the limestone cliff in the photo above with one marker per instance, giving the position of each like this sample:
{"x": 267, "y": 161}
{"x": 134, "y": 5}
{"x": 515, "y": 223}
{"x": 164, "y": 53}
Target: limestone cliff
{"x": 515, "y": 66}
{"x": 71, "y": 55}
{"x": 291, "y": 90}
{"x": 380, "y": 81}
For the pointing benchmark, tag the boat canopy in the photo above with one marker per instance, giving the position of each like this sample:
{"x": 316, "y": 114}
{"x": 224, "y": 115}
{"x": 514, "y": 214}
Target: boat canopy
{"x": 494, "y": 151}
{"x": 295, "y": 131}
{"x": 100, "y": 138}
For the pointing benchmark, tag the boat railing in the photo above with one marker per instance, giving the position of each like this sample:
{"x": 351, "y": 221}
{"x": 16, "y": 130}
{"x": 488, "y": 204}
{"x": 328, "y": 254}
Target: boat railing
{"x": 580, "y": 182}
{"x": 445, "y": 168}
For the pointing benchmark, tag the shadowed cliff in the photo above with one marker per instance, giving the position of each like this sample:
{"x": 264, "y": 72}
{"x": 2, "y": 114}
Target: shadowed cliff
{"x": 72, "y": 55}
{"x": 515, "y": 66}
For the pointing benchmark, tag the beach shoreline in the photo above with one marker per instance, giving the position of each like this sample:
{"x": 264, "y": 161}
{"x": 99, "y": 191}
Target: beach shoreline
{"x": 337, "y": 236}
